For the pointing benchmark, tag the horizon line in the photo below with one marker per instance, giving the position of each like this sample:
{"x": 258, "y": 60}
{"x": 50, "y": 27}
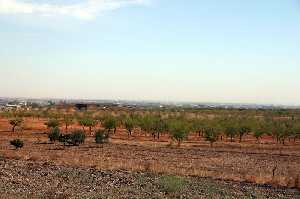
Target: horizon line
{"x": 154, "y": 101}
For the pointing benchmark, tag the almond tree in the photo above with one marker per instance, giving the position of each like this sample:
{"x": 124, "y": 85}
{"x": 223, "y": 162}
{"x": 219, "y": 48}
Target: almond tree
{"x": 198, "y": 126}
{"x": 243, "y": 130}
{"x": 178, "y": 131}
{"x": 52, "y": 123}
{"x": 261, "y": 128}
{"x": 211, "y": 135}
{"x": 87, "y": 122}
{"x": 68, "y": 120}
{"x": 231, "y": 132}
{"x": 146, "y": 124}
{"x": 129, "y": 125}
{"x": 110, "y": 123}
{"x": 158, "y": 126}
{"x": 15, "y": 122}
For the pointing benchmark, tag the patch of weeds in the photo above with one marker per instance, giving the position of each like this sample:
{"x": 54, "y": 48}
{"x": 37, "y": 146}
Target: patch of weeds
{"x": 17, "y": 143}
{"x": 253, "y": 195}
{"x": 140, "y": 180}
{"x": 85, "y": 178}
{"x": 216, "y": 191}
{"x": 81, "y": 177}
{"x": 212, "y": 190}
{"x": 52, "y": 194}
{"x": 172, "y": 184}
{"x": 63, "y": 174}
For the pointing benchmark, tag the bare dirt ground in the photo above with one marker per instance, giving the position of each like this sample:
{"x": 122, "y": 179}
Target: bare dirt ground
{"x": 28, "y": 179}
{"x": 266, "y": 163}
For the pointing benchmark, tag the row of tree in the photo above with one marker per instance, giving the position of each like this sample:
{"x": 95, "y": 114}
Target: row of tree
{"x": 178, "y": 128}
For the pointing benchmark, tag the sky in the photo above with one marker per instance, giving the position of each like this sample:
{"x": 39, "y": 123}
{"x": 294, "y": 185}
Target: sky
{"x": 232, "y": 51}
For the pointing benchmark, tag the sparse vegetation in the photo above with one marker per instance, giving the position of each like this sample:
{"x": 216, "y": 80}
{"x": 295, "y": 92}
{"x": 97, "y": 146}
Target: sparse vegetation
{"x": 52, "y": 123}
{"x": 54, "y": 134}
{"x": 101, "y": 137}
{"x": 172, "y": 184}
{"x": 76, "y": 138}
{"x": 199, "y": 132}
{"x": 17, "y": 143}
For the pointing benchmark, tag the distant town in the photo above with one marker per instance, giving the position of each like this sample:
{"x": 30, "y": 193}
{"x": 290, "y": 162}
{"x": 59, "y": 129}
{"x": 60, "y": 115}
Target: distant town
{"x": 28, "y": 104}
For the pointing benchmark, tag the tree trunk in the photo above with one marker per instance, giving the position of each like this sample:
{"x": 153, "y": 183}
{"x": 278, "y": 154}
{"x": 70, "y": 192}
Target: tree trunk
{"x": 179, "y": 143}
{"x": 257, "y": 139}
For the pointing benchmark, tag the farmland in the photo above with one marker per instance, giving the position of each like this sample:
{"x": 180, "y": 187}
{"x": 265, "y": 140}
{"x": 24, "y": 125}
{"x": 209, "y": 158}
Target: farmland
{"x": 257, "y": 150}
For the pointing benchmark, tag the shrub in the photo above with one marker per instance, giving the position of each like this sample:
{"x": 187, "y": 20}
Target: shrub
{"x": 65, "y": 139}
{"x": 171, "y": 184}
{"x": 17, "y": 143}
{"x": 76, "y": 138}
{"x": 54, "y": 134}
{"x": 101, "y": 137}
{"x": 53, "y": 123}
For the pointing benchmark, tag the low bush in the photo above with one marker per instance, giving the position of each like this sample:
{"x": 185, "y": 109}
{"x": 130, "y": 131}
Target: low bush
{"x": 54, "y": 134}
{"x": 76, "y": 138}
{"x": 52, "y": 123}
{"x": 65, "y": 139}
{"x": 101, "y": 137}
{"x": 172, "y": 184}
{"x": 17, "y": 143}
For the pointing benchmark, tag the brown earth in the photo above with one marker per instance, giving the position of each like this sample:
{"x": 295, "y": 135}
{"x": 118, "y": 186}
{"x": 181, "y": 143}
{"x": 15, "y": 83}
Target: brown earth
{"x": 28, "y": 179}
{"x": 248, "y": 161}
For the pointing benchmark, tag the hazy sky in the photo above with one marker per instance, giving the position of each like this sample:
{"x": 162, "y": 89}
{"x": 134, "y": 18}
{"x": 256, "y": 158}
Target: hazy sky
{"x": 171, "y": 50}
